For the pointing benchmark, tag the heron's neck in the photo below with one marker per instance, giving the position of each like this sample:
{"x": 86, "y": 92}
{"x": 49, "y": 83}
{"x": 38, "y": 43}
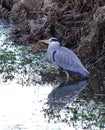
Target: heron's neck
{"x": 53, "y": 45}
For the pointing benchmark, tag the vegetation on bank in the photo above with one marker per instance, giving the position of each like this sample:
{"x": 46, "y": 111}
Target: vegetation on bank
{"x": 79, "y": 24}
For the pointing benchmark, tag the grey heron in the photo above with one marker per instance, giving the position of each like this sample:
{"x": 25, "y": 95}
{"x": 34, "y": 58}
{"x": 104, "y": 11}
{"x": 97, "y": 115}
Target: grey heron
{"x": 64, "y": 58}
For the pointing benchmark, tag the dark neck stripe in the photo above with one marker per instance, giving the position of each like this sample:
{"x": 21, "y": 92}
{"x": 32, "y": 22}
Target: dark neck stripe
{"x": 54, "y": 55}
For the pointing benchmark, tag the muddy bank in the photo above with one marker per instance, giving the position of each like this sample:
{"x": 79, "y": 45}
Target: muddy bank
{"x": 78, "y": 24}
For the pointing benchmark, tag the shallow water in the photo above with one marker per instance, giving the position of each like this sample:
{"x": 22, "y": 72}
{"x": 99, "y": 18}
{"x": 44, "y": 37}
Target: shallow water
{"x": 30, "y": 99}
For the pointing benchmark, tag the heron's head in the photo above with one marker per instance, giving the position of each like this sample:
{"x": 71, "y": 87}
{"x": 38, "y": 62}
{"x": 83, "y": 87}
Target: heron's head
{"x": 51, "y": 41}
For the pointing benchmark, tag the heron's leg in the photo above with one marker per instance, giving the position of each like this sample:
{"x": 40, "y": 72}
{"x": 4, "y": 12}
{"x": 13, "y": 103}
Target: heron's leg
{"x": 67, "y": 75}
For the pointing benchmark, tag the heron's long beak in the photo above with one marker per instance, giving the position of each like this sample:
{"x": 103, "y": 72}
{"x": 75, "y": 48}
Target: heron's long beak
{"x": 44, "y": 41}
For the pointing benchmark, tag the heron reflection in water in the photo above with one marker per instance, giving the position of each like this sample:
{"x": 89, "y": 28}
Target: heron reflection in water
{"x": 65, "y": 93}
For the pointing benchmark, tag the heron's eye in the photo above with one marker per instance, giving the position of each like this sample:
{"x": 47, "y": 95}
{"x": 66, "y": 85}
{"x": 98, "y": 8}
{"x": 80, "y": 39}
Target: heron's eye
{"x": 54, "y": 40}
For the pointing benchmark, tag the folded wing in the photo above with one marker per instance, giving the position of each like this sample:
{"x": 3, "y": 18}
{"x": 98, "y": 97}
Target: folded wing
{"x": 67, "y": 60}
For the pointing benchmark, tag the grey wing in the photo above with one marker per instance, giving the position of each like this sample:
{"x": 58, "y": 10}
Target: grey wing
{"x": 67, "y": 60}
